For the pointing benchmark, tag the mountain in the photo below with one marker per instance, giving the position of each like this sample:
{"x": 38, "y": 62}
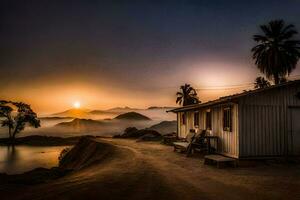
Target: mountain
{"x": 81, "y": 124}
{"x": 101, "y": 112}
{"x": 104, "y": 127}
{"x": 55, "y": 118}
{"x": 132, "y": 116}
{"x": 154, "y": 112}
{"x": 116, "y": 110}
{"x": 122, "y": 109}
{"x": 165, "y": 127}
{"x": 75, "y": 112}
{"x": 160, "y": 107}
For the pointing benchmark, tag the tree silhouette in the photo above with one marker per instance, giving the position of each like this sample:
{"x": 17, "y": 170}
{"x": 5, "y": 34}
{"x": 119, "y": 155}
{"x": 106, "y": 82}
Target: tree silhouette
{"x": 15, "y": 115}
{"x": 261, "y": 82}
{"x": 187, "y": 95}
{"x": 277, "y": 51}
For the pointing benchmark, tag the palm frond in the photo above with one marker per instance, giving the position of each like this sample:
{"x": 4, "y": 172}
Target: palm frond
{"x": 277, "y": 52}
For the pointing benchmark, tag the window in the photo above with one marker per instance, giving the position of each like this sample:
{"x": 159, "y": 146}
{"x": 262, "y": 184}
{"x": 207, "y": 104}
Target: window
{"x": 196, "y": 119}
{"x": 183, "y": 120}
{"x": 208, "y": 120}
{"x": 227, "y": 119}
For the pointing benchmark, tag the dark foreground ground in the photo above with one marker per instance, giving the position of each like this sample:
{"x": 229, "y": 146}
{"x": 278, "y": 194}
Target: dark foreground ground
{"x": 125, "y": 169}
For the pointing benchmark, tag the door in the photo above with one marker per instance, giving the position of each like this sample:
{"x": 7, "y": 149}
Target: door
{"x": 295, "y": 130}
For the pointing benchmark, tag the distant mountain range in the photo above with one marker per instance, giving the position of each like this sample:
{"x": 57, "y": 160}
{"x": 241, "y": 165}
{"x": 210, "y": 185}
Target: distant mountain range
{"x": 123, "y": 109}
{"x": 89, "y": 122}
{"x": 86, "y": 113}
{"x": 114, "y": 125}
{"x": 119, "y": 123}
{"x": 55, "y": 118}
{"x": 158, "y": 107}
{"x": 77, "y": 113}
{"x": 81, "y": 123}
{"x": 116, "y": 110}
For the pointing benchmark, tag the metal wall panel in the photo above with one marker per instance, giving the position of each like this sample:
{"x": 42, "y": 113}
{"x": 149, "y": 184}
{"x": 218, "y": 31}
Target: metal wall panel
{"x": 228, "y": 140}
{"x": 264, "y": 122}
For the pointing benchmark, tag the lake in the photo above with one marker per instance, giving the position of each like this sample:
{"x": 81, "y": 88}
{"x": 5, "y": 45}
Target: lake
{"x": 21, "y": 158}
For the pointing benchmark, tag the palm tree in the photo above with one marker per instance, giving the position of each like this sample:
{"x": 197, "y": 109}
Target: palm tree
{"x": 261, "y": 82}
{"x": 187, "y": 95}
{"x": 277, "y": 51}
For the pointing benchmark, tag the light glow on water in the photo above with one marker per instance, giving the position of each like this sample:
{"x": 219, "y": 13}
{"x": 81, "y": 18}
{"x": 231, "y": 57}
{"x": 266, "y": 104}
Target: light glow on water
{"x": 19, "y": 159}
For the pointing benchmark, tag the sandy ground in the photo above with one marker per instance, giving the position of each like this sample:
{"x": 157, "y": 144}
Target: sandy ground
{"x": 140, "y": 170}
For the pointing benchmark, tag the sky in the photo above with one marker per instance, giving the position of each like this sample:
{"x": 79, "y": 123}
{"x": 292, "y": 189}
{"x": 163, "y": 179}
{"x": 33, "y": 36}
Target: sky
{"x": 129, "y": 53}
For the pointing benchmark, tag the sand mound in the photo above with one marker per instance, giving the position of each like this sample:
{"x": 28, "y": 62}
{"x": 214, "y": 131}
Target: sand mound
{"x": 85, "y": 153}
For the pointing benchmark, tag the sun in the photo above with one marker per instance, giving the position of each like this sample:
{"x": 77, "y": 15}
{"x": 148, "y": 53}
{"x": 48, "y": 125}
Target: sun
{"x": 76, "y": 104}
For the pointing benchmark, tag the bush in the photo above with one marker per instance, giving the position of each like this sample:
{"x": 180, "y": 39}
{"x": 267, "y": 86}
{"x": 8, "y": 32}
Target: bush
{"x": 150, "y": 137}
{"x": 63, "y": 153}
{"x": 130, "y": 130}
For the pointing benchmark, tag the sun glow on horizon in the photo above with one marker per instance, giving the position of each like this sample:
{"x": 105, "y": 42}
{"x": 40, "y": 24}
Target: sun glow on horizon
{"x": 76, "y": 104}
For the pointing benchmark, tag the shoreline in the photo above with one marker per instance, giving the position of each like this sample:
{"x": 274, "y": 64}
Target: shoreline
{"x": 67, "y": 164}
{"x": 38, "y": 140}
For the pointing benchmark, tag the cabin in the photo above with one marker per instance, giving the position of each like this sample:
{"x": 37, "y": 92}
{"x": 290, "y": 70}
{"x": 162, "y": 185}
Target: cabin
{"x": 259, "y": 123}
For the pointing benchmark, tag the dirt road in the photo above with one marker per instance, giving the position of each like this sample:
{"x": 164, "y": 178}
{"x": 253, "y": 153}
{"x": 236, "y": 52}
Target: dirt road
{"x": 139, "y": 170}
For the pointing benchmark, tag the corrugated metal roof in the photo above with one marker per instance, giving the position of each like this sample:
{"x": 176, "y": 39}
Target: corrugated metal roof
{"x": 231, "y": 97}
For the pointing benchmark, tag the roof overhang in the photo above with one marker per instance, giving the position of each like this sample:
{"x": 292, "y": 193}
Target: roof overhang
{"x": 232, "y": 98}
{"x": 202, "y": 105}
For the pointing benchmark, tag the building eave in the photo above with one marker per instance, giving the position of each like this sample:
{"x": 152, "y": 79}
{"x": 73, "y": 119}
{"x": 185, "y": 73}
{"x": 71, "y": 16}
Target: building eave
{"x": 231, "y": 98}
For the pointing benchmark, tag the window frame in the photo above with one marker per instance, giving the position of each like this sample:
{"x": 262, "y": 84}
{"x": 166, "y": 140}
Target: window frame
{"x": 196, "y": 113}
{"x": 208, "y": 123}
{"x": 183, "y": 119}
{"x": 227, "y": 118}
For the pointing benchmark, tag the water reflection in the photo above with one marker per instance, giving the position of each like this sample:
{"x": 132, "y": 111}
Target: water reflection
{"x": 11, "y": 157}
{"x": 18, "y": 159}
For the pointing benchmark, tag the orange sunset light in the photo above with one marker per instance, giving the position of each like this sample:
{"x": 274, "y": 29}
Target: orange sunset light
{"x": 76, "y": 104}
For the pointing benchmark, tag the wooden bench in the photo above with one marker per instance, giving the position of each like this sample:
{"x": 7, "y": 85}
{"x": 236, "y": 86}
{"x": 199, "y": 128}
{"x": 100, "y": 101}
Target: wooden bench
{"x": 219, "y": 159}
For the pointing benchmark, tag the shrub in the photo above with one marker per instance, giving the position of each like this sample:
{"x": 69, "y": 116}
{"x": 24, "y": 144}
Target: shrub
{"x": 63, "y": 153}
